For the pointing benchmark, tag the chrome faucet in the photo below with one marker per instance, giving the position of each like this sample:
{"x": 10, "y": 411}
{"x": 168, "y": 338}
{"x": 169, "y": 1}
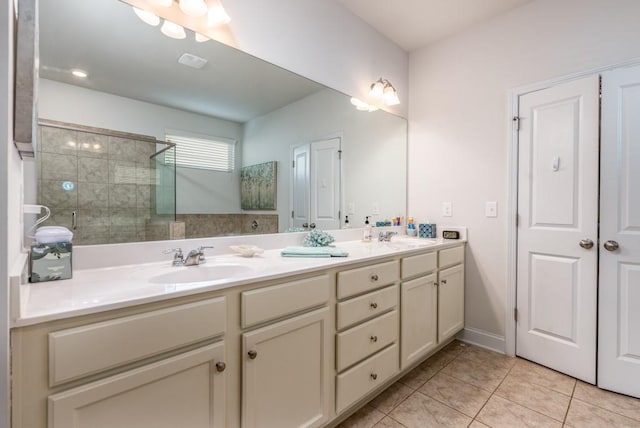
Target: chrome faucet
{"x": 195, "y": 257}
{"x": 386, "y": 236}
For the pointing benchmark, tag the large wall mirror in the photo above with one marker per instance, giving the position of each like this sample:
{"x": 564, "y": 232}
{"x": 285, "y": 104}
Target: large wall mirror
{"x": 302, "y": 154}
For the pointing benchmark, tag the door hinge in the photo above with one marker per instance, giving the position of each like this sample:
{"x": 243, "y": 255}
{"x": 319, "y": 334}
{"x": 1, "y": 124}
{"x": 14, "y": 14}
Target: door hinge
{"x": 291, "y": 214}
{"x": 340, "y": 154}
{"x": 293, "y": 164}
{"x": 517, "y": 219}
{"x": 515, "y": 314}
{"x": 516, "y": 123}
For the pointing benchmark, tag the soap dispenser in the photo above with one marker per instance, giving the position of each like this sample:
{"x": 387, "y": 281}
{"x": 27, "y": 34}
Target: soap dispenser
{"x": 368, "y": 232}
{"x": 346, "y": 222}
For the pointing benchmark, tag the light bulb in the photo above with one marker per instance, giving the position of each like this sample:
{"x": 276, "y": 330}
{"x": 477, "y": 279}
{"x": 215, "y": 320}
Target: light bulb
{"x": 147, "y": 16}
{"x": 172, "y": 30}
{"x": 162, "y": 3}
{"x": 201, "y": 38}
{"x": 391, "y": 96}
{"x": 193, "y": 7}
{"x": 377, "y": 89}
{"x": 218, "y": 16}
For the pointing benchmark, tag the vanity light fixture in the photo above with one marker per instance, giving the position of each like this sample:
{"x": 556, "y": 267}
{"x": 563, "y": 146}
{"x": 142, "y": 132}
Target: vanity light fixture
{"x": 384, "y": 91}
{"x": 217, "y": 15}
{"x": 193, "y": 8}
{"x": 162, "y": 3}
{"x": 201, "y": 38}
{"x": 147, "y": 17}
{"x": 172, "y": 30}
{"x": 362, "y": 106}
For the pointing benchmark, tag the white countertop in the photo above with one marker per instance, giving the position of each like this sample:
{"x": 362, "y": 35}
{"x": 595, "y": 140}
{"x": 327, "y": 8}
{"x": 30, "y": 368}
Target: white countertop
{"x": 102, "y": 289}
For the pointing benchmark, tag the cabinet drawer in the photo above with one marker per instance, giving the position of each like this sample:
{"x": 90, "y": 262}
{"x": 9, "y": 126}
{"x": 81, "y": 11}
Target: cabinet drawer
{"x": 81, "y": 351}
{"x": 356, "y": 382}
{"x": 363, "y": 340}
{"x": 419, "y": 265}
{"x": 450, "y": 256}
{"x": 360, "y": 308}
{"x": 367, "y": 278}
{"x": 269, "y": 303}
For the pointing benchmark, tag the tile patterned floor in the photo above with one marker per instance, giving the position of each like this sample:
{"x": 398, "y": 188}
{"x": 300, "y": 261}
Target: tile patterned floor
{"x": 467, "y": 386}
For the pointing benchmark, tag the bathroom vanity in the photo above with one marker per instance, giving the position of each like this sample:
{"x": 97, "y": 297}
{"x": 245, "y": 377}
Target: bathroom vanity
{"x": 293, "y": 342}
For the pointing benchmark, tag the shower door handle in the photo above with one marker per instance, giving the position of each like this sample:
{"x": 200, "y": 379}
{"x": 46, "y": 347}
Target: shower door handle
{"x": 74, "y": 223}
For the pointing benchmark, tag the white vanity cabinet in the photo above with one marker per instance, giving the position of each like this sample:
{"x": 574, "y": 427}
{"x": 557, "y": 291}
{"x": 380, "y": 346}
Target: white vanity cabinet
{"x": 368, "y": 330}
{"x": 287, "y": 365}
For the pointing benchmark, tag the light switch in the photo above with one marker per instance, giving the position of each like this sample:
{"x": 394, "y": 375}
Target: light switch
{"x": 447, "y": 210}
{"x": 491, "y": 209}
{"x": 375, "y": 209}
{"x": 351, "y": 208}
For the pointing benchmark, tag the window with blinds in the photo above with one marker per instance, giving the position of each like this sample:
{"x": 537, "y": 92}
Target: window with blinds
{"x": 217, "y": 154}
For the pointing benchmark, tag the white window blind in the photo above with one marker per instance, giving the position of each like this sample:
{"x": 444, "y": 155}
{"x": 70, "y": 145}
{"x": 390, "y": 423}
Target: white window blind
{"x": 216, "y": 154}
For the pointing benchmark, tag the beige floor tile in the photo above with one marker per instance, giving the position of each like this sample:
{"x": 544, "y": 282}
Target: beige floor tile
{"x": 391, "y": 397}
{"x": 617, "y": 403}
{"x": 421, "y": 411}
{"x": 534, "y": 397}
{"x": 476, "y": 424}
{"x": 459, "y": 395}
{"x": 425, "y": 371}
{"x": 479, "y": 372}
{"x": 388, "y": 422}
{"x": 539, "y": 375}
{"x": 584, "y": 415}
{"x": 501, "y": 413}
{"x": 366, "y": 417}
{"x": 489, "y": 358}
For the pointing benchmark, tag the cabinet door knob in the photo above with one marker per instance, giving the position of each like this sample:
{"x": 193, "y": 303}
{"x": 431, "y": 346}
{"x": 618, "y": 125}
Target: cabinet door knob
{"x": 220, "y": 366}
{"x": 374, "y": 338}
{"x": 252, "y": 354}
{"x": 374, "y": 376}
{"x": 374, "y": 277}
{"x": 444, "y": 281}
{"x": 374, "y": 305}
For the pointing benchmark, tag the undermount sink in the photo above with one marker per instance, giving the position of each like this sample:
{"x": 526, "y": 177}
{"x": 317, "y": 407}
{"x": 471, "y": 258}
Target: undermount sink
{"x": 408, "y": 243}
{"x": 200, "y": 273}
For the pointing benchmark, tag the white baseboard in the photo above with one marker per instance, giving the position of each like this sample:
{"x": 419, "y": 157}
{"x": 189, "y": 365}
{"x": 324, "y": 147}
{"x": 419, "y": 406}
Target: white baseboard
{"x": 483, "y": 339}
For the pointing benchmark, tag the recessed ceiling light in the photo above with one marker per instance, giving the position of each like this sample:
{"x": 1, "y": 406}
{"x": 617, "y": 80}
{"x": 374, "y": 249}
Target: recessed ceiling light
{"x": 191, "y": 60}
{"x": 79, "y": 73}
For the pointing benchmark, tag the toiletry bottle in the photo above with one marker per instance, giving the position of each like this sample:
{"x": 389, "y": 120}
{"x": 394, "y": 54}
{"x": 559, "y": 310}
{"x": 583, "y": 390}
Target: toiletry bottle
{"x": 368, "y": 232}
{"x": 346, "y": 222}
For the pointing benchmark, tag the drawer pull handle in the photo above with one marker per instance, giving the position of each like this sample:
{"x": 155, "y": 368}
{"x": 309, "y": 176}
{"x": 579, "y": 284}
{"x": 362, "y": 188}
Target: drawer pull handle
{"x": 444, "y": 281}
{"x": 374, "y": 339}
{"x": 374, "y": 305}
{"x": 374, "y": 376}
{"x": 252, "y": 354}
{"x": 374, "y": 277}
{"x": 220, "y": 366}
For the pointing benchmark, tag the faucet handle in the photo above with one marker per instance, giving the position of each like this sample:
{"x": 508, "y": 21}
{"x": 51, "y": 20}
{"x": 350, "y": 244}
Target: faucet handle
{"x": 203, "y": 247}
{"x": 177, "y": 258}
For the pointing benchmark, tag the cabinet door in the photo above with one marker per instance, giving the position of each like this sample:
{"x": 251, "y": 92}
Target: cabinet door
{"x": 450, "y": 302}
{"x": 187, "y": 390}
{"x": 287, "y": 373}
{"x": 419, "y": 300}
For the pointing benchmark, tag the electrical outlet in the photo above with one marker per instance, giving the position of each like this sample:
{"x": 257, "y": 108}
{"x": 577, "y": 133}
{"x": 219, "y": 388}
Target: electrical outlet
{"x": 447, "y": 210}
{"x": 351, "y": 208}
{"x": 491, "y": 209}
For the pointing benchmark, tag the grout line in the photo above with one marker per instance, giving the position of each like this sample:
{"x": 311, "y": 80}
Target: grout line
{"x": 573, "y": 391}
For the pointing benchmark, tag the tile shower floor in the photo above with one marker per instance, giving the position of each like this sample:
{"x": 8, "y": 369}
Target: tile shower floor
{"x": 467, "y": 386}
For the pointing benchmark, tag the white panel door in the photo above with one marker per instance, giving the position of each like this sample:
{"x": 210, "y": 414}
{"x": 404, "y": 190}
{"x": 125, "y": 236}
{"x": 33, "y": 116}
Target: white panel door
{"x": 301, "y": 186}
{"x": 325, "y": 184}
{"x": 557, "y": 222}
{"x": 619, "y": 301}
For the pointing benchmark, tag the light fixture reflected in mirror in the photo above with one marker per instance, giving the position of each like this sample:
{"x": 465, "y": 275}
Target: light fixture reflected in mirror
{"x": 382, "y": 90}
{"x": 147, "y": 17}
{"x": 162, "y": 3}
{"x": 201, "y": 38}
{"x": 362, "y": 106}
{"x": 172, "y": 30}
{"x": 193, "y": 7}
{"x": 217, "y": 15}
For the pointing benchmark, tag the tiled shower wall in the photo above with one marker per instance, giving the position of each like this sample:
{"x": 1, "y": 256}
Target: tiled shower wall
{"x": 107, "y": 180}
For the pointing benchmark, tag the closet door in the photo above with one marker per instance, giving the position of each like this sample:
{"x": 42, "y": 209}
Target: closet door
{"x": 619, "y": 285}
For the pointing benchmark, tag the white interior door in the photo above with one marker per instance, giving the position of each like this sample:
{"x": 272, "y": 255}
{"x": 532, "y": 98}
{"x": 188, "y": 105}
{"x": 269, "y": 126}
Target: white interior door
{"x": 325, "y": 184}
{"x": 619, "y": 300}
{"x": 557, "y": 219}
{"x": 300, "y": 188}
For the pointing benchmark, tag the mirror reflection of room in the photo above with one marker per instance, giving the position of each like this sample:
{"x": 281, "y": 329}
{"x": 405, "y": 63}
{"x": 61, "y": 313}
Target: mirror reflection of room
{"x": 103, "y": 165}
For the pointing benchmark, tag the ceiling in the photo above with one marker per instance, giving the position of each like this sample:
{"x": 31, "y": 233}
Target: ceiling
{"x": 413, "y": 24}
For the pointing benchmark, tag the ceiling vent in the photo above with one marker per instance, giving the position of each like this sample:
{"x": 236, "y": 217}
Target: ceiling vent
{"x": 191, "y": 60}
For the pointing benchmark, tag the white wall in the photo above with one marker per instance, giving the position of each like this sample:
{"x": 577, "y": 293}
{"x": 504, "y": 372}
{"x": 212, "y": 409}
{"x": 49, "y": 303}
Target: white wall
{"x": 10, "y": 196}
{"x": 459, "y": 120}
{"x": 373, "y": 151}
{"x": 320, "y": 40}
{"x": 197, "y": 194}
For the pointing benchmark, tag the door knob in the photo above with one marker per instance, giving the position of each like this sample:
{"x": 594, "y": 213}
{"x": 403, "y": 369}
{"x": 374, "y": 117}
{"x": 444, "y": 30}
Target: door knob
{"x": 252, "y": 354}
{"x": 312, "y": 226}
{"x": 611, "y": 245}
{"x": 586, "y": 243}
{"x": 305, "y": 225}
